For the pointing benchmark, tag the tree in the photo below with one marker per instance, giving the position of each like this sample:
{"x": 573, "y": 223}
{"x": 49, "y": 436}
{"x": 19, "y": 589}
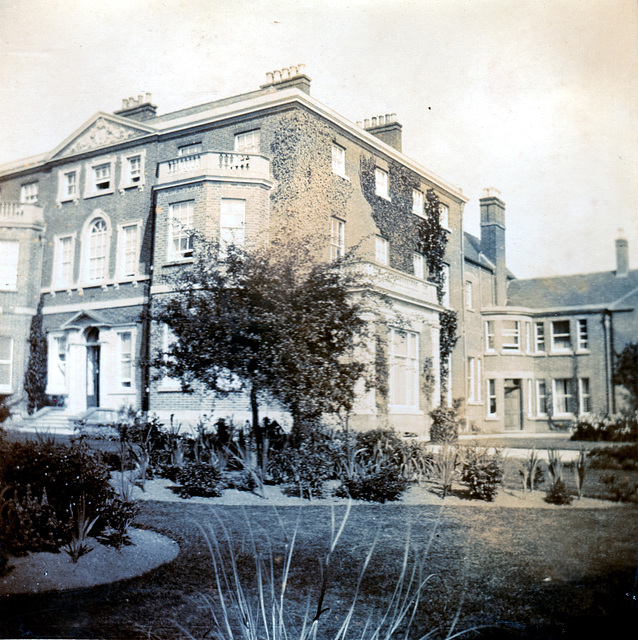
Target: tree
{"x": 271, "y": 320}
{"x": 35, "y": 379}
{"x": 626, "y": 371}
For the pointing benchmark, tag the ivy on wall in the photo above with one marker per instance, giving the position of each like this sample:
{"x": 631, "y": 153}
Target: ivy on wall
{"x": 408, "y": 233}
{"x": 35, "y": 379}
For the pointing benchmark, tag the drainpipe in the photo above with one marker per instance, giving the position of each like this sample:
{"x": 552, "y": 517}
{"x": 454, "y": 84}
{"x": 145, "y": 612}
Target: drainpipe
{"x": 606, "y": 317}
{"x": 612, "y": 354}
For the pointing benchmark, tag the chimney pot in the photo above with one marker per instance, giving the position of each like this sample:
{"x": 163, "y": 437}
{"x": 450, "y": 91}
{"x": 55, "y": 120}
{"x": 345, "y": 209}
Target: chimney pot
{"x": 269, "y": 77}
{"x": 277, "y": 75}
{"x": 366, "y": 124}
{"x": 491, "y": 192}
{"x": 374, "y": 121}
{"x": 302, "y": 69}
{"x": 359, "y": 124}
{"x": 293, "y": 71}
{"x": 285, "y": 73}
{"x": 622, "y": 254}
{"x": 124, "y": 103}
{"x": 148, "y": 97}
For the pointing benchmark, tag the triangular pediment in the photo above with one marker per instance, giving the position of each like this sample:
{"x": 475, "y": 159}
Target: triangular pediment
{"x": 84, "y": 319}
{"x": 102, "y": 130}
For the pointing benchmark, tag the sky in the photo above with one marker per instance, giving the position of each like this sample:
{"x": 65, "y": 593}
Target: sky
{"x": 538, "y": 99}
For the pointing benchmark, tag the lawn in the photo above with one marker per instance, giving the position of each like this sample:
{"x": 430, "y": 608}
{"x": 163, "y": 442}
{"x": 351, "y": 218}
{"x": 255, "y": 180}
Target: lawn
{"x": 526, "y": 573}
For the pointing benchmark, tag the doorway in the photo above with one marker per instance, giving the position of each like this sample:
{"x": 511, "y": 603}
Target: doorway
{"x": 92, "y": 367}
{"x": 513, "y": 405}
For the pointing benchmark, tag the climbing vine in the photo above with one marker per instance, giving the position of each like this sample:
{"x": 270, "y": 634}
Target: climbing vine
{"x": 35, "y": 379}
{"x": 448, "y": 338}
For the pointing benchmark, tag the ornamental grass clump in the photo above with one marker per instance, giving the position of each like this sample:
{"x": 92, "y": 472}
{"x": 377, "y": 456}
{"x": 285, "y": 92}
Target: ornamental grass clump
{"x": 446, "y": 466}
{"x": 557, "y": 492}
{"x": 531, "y": 471}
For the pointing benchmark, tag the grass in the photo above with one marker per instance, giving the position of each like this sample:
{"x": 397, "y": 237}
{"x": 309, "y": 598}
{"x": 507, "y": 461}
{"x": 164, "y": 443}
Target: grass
{"x": 529, "y": 573}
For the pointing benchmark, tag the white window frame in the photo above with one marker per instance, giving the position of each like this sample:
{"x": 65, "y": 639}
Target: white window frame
{"x": 178, "y": 230}
{"x": 8, "y": 388}
{"x": 91, "y": 189}
{"x": 583, "y": 334}
{"x": 64, "y": 195}
{"x": 490, "y": 337}
{"x": 513, "y": 334}
{"x": 404, "y": 370}
{"x": 561, "y": 397}
{"x": 232, "y": 233}
{"x": 190, "y": 149}
{"x": 471, "y": 380}
{"x": 555, "y": 336}
{"x": 58, "y": 353}
{"x": 444, "y": 216}
{"x": 127, "y": 180}
{"x": 248, "y": 141}
{"x": 337, "y": 238}
{"x": 87, "y": 258}
{"x": 9, "y": 264}
{"x": 59, "y": 282}
{"x": 418, "y": 203}
{"x": 338, "y": 160}
{"x": 29, "y": 193}
{"x": 541, "y": 398}
{"x": 492, "y": 398}
{"x": 445, "y": 284}
{"x": 124, "y": 382}
{"x": 539, "y": 337}
{"x": 530, "y": 398}
{"x": 418, "y": 262}
{"x": 382, "y": 183}
{"x": 382, "y": 250}
{"x": 528, "y": 337}
{"x": 584, "y": 396}
{"x": 468, "y": 295}
{"x": 124, "y": 251}
{"x": 167, "y": 383}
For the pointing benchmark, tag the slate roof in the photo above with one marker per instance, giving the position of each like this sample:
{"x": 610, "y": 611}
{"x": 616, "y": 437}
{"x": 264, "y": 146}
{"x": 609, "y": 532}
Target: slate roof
{"x": 589, "y": 289}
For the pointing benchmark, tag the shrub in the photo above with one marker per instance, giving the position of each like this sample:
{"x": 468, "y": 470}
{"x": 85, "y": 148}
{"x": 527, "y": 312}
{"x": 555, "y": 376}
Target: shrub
{"x": 306, "y": 467}
{"x": 557, "y": 493}
{"x": 240, "y": 480}
{"x": 383, "y": 486}
{"x": 118, "y": 517}
{"x": 621, "y": 488}
{"x": 614, "y": 457}
{"x": 618, "y": 427}
{"x": 199, "y": 479}
{"x": 482, "y": 473}
{"x": 445, "y": 425}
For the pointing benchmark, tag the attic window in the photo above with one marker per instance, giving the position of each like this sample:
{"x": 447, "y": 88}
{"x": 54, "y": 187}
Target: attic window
{"x": 102, "y": 177}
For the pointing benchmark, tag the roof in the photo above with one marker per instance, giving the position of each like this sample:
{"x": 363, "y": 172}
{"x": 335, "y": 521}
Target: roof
{"x": 604, "y": 289}
{"x": 472, "y": 252}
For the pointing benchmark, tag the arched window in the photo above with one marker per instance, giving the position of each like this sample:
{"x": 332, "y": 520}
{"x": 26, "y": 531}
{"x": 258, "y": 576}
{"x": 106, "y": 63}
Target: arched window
{"x": 98, "y": 250}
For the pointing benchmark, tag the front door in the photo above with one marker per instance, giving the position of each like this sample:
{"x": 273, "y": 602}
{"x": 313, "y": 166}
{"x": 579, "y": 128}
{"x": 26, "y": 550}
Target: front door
{"x": 92, "y": 368}
{"x": 513, "y": 397}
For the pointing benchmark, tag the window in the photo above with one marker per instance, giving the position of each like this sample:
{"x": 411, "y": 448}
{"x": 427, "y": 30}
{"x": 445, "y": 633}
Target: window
{"x": 68, "y": 184}
{"x": 445, "y": 285}
{"x": 99, "y": 177}
{"x": 404, "y": 376}
{"x": 419, "y": 265}
{"x": 491, "y": 398}
{"x": 180, "y": 216}
{"x": 489, "y": 336}
{"x": 541, "y": 398}
{"x": 168, "y": 340}
{"x": 444, "y": 216}
{"x": 102, "y": 177}
{"x": 468, "y": 294}
{"x": 337, "y": 238}
{"x": 247, "y": 142}
{"x": 132, "y": 170}
{"x": 9, "y": 255}
{"x": 561, "y": 336}
{"x": 539, "y": 336}
{"x": 338, "y": 160}
{"x": 6, "y": 364}
{"x": 63, "y": 271}
{"x": 189, "y": 149}
{"x": 56, "y": 383}
{"x": 584, "y": 396}
{"x": 511, "y": 335}
{"x": 29, "y": 192}
{"x": 232, "y": 222}
{"x": 562, "y": 396}
{"x": 128, "y": 251}
{"x": 471, "y": 379}
{"x": 98, "y": 250}
{"x": 381, "y": 250}
{"x": 381, "y": 183}
{"x": 125, "y": 349}
{"x": 583, "y": 334}
{"x": 417, "y": 203}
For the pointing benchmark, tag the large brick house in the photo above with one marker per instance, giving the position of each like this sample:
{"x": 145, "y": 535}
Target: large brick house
{"x": 114, "y": 204}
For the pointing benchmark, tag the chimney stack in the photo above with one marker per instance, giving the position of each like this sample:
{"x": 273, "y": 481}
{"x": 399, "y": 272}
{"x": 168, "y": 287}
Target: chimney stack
{"x": 622, "y": 254}
{"x": 493, "y": 239}
{"x": 386, "y": 128}
{"x": 139, "y": 108}
{"x": 293, "y": 76}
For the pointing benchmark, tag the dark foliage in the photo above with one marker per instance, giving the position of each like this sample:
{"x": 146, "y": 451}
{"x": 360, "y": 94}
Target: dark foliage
{"x": 620, "y": 427}
{"x": 621, "y": 488}
{"x": 557, "y": 493}
{"x": 199, "y": 479}
{"x": 35, "y": 379}
{"x": 482, "y": 473}
{"x": 618, "y": 457}
{"x": 306, "y": 468}
{"x": 382, "y": 486}
{"x": 445, "y": 425}
{"x": 626, "y": 371}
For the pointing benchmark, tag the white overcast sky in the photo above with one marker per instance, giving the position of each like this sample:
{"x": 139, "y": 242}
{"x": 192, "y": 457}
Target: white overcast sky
{"x": 536, "y": 98}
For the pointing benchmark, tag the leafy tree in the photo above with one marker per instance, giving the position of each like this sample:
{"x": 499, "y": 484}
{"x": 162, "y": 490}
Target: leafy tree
{"x": 35, "y": 379}
{"x": 626, "y": 371}
{"x": 273, "y": 321}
